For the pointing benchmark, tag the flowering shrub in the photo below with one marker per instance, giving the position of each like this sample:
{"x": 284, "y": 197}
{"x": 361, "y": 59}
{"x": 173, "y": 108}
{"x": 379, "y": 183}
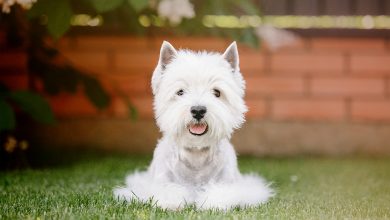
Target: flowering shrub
{"x": 34, "y": 24}
{"x": 6, "y": 4}
{"x": 175, "y": 10}
{"x": 53, "y": 18}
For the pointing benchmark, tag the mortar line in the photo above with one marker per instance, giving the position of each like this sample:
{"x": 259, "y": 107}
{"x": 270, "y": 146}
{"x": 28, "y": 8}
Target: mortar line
{"x": 348, "y": 109}
{"x": 346, "y": 63}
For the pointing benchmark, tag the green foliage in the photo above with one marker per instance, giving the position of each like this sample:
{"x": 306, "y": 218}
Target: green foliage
{"x": 249, "y": 38}
{"x": 58, "y": 78}
{"x": 34, "y": 105}
{"x": 58, "y": 14}
{"x": 246, "y": 6}
{"x": 105, "y": 5}
{"x": 29, "y": 102}
{"x": 96, "y": 94}
{"x": 54, "y": 17}
{"x": 138, "y": 5}
{"x": 7, "y": 116}
{"x": 133, "y": 112}
{"x": 59, "y": 18}
{"x": 124, "y": 14}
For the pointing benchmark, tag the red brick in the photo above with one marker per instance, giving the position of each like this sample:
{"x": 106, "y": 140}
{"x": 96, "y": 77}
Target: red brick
{"x": 120, "y": 106}
{"x": 14, "y": 81}
{"x": 388, "y": 87}
{"x": 343, "y": 86}
{"x": 146, "y": 71}
{"x": 274, "y": 85}
{"x": 96, "y": 62}
{"x": 144, "y": 106}
{"x": 127, "y": 84}
{"x": 286, "y": 73}
{"x": 72, "y": 105}
{"x": 308, "y": 109}
{"x": 3, "y": 39}
{"x": 348, "y": 44}
{"x": 253, "y": 73}
{"x": 370, "y": 62}
{"x": 148, "y": 60}
{"x": 134, "y": 44}
{"x": 13, "y": 60}
{"x": 136, "y": 60}
{"x": 316, "y": 62}
{"x": 301, "y": 44}
{"x": 65, "y": 43}
{"x": 257, "y": 108}
{"x": 370, "y": 110}
{"x": 115, "y": 42}
{"x": 251, "y": 61}
{"x": 197, "y": 43}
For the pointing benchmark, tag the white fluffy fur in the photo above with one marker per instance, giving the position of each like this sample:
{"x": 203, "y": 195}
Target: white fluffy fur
{"x": 189, "y": 169}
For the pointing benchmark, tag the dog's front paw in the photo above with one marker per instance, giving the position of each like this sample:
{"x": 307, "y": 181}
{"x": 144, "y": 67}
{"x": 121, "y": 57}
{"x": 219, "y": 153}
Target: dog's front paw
{"x": 249, "y": 190}
{"x": 142, "y": 188}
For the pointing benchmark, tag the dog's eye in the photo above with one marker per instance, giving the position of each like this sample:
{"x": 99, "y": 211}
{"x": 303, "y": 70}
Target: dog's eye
{"x": 180, "y": 92}
{"x": 217, "y": 93}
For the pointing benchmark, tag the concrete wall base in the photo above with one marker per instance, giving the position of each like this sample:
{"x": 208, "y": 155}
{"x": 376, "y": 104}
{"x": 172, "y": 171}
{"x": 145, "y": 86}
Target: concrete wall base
{"x": 256, "y": 137}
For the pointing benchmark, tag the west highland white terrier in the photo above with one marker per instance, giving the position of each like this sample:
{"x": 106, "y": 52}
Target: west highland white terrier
{"x": 198, "y": 103}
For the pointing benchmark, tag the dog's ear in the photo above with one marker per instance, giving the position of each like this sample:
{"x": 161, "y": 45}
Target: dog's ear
{"x": 167, "y": 53}
{"x": 231, "y": 56}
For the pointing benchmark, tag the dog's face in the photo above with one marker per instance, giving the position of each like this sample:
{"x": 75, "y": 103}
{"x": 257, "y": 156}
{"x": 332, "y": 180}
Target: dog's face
{"x": 198, "y": 97}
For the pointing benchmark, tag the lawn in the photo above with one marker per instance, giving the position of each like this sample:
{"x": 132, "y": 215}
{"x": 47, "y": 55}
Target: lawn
{"x": 307, "y": 188}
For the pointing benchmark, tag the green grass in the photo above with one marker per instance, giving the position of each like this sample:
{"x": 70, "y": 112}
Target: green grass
{"x": 354, "y": 188}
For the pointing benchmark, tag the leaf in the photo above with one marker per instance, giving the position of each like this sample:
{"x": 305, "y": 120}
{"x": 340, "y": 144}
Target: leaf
{"x": 133, "y": 112}
{"x": 95, "y": 92}
{"x": 105, "y": 5}
{"x": 7, "y": 116}
{"x": 34, "y": 105}
{"x": 138, "y": 5}
{"x": 59, "y": 18}
{"x": 3, "y": 89}
{"x": 37, "y": 9}
{"x": 55, "y": 78}
{"x": 247, "y": 6}
{"x": 58, "y": 14}
{"x": 249, "y": 38}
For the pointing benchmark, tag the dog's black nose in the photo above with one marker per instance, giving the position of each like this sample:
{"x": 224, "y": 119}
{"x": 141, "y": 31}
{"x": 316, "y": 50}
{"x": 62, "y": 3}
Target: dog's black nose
{"x": 198, "y": 112}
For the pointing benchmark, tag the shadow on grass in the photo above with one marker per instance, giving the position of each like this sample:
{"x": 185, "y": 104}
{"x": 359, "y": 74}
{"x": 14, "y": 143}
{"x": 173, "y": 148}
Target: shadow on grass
{"x": 45, "y": 157}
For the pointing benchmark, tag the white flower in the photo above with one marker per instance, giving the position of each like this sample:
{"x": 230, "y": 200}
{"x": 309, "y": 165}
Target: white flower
{"x": 26, "y": 4}
{"x": 175, "y": 10}
{"x": 6, "y": 4}
{"x": 276, "y": 38}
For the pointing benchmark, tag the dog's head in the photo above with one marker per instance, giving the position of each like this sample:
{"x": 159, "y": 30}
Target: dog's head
{"x": 198, "y": 96}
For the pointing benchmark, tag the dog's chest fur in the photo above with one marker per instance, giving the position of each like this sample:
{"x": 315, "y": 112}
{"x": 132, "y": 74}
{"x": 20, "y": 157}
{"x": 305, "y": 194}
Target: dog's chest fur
{"x": 197, "y": 166}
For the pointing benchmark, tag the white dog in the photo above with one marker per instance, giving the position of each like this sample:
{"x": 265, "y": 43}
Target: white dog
{"x": 198, "y": 102}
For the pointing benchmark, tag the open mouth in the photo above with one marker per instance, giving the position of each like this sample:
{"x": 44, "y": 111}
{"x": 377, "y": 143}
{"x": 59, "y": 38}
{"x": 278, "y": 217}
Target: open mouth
{"x": 198, "y": 129}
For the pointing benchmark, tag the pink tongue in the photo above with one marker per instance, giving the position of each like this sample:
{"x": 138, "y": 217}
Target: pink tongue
{"x": 198, "y": 128}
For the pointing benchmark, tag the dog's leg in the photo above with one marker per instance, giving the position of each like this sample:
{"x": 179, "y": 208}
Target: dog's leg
{"x": 143, "y": 188}
{"x": 249, "y": 190}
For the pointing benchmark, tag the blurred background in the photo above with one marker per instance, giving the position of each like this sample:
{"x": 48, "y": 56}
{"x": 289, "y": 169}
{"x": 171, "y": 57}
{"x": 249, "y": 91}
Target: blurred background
{"x": 76, "y": 74}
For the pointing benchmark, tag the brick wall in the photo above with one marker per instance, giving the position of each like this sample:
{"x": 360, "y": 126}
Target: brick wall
{"x": 338, "y": 79}
{"x": 330, "y": 80}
